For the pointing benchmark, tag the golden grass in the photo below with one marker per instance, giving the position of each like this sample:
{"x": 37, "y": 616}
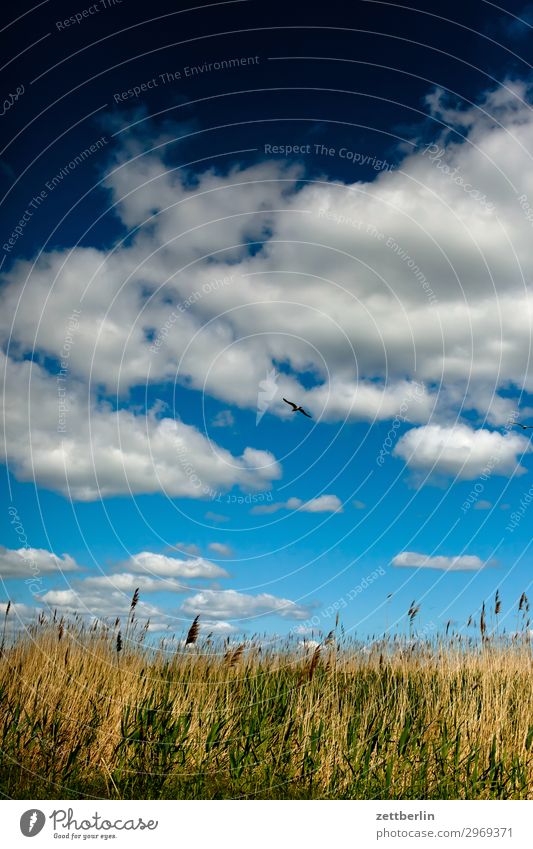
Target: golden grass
{"x": 399, "y": 720}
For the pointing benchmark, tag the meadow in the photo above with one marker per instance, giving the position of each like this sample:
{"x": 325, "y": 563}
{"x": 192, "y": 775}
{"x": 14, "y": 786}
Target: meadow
{"x": 100, "y": 711}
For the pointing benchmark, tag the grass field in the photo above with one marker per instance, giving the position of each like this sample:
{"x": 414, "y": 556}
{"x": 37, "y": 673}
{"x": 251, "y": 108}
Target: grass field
{"x": 95, "y": 711}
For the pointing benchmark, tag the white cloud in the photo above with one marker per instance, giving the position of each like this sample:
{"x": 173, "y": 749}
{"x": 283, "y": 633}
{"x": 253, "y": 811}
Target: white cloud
{"x": 429, "y": 292}
{"x": 461, "y": 563}
{"x": 221, "y": 548}
{"x": 21, "y": 612}
{"x": 27, "y": 562}
{"x": 357, "y": 399}
{"x": 115, "y": 452}
{"x": 224, "y": 418}
{"x": 127, "y": 582}
{"x": 359, "y": 505}
{"x": 322, "y": 504}
{"x": 483, "y": 505}
{"x": 171, "y": 567}
{"x": 98, "y": 601}
{"x": 230, "y": 604}
{"x": 216, "y": 517}
{"x": 156, "y": 627}
{"x": 18, "y": 618}
{"x": 216, "y": 627}
{"x": 434, "y": 295}
{"x": 308, "y": 644}
{"x": 107, "y": 595}
{"x": 462, "y": 451}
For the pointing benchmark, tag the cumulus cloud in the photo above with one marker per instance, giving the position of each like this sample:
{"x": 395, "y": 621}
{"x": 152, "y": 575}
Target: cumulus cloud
{"x": 224, "y": 418}
{"x": 230, "y": 604}
{"x": 483, "y": 505}
{"x": 359, "y": 399}
{"x": 107, "y": 595}
{"x": 19, "y": 616}
{"x": 99, "y": 601}
{"x": 408, "y": 265}
{"x": 322, "y": 504}
{"x": 26, "y": 562}
{"x": 216, "y": 627}
{"x": 432, "y": 230}
{"x": 462, "y": 451}
{"x": 22, "y": 612}
{"x": 221, "y": 548}
{"x": 171, "y": 567}
{"x": 115, "y": 452}
{"x": 128, "y": 582}
{"x": 216, "y": 517}
{"x": 461, "y": 563}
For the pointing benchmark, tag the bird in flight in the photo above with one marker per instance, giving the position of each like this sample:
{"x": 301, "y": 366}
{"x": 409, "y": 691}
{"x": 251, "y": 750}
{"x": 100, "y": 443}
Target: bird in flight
{"x": 296, "y": 408}
{"x": 524, "y": 427}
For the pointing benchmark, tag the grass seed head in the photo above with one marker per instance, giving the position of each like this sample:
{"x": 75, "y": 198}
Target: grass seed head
{"x": 193, "y": 632}
{"x": 314, "y": 662}
{"x": 483, "y": 622}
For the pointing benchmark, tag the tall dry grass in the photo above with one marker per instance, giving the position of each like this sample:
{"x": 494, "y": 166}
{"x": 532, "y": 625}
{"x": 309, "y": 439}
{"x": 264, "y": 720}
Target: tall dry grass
{"x": 96, "y": 711}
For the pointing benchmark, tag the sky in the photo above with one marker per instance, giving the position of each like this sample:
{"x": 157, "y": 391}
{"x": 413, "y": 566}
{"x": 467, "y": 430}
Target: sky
{"x": 210, "y": 209}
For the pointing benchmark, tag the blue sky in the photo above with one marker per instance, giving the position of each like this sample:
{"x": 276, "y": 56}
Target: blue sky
{"x": 360, "y": 247}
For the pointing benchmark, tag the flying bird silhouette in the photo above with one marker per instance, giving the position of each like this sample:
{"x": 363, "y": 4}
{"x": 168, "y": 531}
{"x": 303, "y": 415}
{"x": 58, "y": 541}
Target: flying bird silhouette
{"x": 524, "y": 427}
{"x": 296, "y": 408}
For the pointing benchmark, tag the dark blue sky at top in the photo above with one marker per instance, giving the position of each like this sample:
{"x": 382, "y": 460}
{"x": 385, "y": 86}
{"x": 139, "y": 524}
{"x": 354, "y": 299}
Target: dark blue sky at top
{"x": 360, "y": 103}
{"x": 376, "y": 108}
